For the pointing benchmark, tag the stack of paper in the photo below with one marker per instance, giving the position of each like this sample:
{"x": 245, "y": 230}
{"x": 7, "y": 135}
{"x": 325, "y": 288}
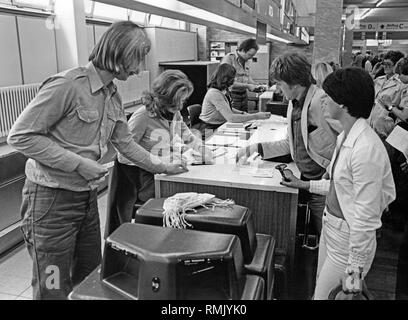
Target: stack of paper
{"x": 398, "y": 138}
{"x": 254, "y": 171}
{"x": 221, "y": 140}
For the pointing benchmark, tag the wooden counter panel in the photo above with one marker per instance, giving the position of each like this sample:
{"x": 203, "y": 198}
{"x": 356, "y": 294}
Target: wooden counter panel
{"x": 274, "y": 212}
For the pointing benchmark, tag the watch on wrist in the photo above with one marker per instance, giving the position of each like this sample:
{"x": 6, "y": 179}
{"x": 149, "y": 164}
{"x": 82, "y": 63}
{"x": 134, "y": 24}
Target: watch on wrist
{"x": 354, "y": 269}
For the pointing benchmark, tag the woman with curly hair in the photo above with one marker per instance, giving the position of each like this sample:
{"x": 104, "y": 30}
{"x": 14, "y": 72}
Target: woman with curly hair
{"x": 158, "y": 127}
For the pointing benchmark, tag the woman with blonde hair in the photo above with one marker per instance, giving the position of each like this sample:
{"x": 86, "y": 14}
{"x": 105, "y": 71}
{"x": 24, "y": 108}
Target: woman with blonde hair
{"x": 159, "y": 128}
{"x": 320, "y": 71}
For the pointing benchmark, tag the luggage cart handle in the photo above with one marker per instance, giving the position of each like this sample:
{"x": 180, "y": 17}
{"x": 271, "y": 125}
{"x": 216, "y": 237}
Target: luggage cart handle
{"x": 307, "y": 242}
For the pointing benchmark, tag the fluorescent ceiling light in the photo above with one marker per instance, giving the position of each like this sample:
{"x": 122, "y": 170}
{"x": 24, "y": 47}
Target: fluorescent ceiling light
{"x": 273, "y": 37}
{"x": 186, "y": 9}
{"x": 364, "y": 14}
{"x": 372, "y": 42}
{"x": 379, "y": 3}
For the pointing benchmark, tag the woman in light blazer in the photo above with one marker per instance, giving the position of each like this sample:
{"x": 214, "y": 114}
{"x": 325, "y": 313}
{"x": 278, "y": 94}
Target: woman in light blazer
{"x": 358, "y": 185}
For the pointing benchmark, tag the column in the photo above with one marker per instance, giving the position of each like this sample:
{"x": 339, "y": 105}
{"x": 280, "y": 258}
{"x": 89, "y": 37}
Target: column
{"x": 71, "y": 34}
{"x": 347, "y": 57}
{"x": 328, "y": 31}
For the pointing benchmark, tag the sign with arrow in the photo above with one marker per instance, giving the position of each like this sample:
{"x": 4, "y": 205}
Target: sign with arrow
{"x": 383, "y": 26}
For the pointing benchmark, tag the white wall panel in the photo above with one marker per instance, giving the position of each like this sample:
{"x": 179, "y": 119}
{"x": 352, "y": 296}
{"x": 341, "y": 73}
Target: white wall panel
{"x": 90, "y": 37}
{"x": 99, "y": 30}
{"x": 10, "y": 71}
{"x": 175, "y": 45}
{"x": 37, "y": 49}
{"x": 131, "y": 90}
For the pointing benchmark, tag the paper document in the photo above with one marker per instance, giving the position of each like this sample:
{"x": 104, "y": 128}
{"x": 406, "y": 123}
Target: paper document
{"x": 221, "y": 140}
{"x": 108, "y": 165}
{"x": 219, "y": 152}
{"x": 398, "y": 138}
{"x": 275, "y": 118}
{"x": 234, "y": 125}
{"x": 231, "y": 130}
{"x": 255, "y": 171}
{"x": 240, "y": 143}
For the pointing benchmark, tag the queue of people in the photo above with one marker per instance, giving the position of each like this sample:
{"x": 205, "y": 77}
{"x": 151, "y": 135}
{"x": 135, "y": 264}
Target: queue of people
{"x": 346, "y": 178}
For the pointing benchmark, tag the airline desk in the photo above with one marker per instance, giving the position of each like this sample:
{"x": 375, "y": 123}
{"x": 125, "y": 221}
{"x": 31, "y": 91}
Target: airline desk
{"x": 274, "y": 206}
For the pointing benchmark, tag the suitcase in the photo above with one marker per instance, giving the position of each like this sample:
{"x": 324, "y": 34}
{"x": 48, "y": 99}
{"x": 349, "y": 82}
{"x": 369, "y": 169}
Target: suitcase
{"x": 92, "y": 288}
{"x": 149, "y": 262}
{"x": 263, "y": 263}
{"x": 237, "y": 220}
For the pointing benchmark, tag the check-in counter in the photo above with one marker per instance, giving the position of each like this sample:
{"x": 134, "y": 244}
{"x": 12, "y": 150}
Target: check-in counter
{"x": 274, "y": 206}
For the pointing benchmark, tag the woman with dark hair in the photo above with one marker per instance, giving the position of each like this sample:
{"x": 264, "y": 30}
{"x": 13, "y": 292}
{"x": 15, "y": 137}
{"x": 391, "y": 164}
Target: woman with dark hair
{"x": 217, "y": 107}
{"x": 387, "y": 88}
{"x": 358, "y": 185}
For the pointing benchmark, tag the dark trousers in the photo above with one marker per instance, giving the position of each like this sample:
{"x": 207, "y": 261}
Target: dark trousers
{"x": 240, "y": 100}
{"x": 307, "y": 259}
{"x": 62, "y": 233}
{"x": 401, "y": 291}
{"x": 128, "y": 185}
{"x": 206, "y": 129}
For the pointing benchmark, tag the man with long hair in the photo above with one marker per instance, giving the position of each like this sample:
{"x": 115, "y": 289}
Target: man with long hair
{"x": 65, "y": 131}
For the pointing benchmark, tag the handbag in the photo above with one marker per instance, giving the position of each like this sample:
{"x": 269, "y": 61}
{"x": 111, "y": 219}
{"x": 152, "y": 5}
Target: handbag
{"x": 338, "y": 294}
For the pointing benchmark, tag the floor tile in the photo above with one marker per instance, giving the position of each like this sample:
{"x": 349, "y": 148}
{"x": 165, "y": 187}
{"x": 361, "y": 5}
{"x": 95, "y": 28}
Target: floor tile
{"x": 11, "y": 284}
{"x": 28, "y": 294}
{"x": 17, "y": 263}
{"x": 4, "y": 296}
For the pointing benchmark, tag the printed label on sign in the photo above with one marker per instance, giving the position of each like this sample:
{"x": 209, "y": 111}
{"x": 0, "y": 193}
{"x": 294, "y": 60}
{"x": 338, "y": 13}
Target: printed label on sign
{"x": 270, "y": 11}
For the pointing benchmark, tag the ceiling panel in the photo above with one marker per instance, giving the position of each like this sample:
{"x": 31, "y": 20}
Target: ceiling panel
{"x": 387, "y": 15}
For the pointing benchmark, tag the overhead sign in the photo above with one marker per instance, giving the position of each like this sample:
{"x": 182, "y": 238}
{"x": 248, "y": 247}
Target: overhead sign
{"x": 304, "y": 36}
{"x": 383, "y": 26}
{"x": 393, "y": 26}
{"x": 270, "y": 11}
{"x": 368, "y": 26}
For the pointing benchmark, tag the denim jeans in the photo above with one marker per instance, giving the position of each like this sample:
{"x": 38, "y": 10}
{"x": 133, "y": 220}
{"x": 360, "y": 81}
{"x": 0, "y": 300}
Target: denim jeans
{"x": 333, "y": 255}
{"x": 316, "y": 204}
{"x": 62, "y": 233}
{"x": 401, "y": 291}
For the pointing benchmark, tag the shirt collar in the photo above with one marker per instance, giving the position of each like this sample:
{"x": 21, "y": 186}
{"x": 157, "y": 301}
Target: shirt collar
{"x": 302, "y": 99}
{"x": 95, "y": 80}
{"x": 358, "y": 127}
{"x": 239, "y": 58}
